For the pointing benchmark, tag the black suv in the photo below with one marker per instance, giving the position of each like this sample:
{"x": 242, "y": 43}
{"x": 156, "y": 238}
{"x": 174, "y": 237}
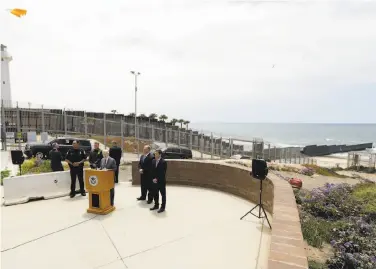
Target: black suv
{"x": 176, "y": 153}
{"x": 65, "y": 143}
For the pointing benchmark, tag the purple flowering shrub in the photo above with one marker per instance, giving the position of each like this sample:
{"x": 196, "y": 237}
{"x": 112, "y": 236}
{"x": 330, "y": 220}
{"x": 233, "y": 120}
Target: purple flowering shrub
{"x": 339, "y": 215}
{"x": 331, "y": 202}
{"x": 307, "y": 171}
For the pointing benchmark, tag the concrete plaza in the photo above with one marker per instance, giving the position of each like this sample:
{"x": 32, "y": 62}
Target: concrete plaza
{"x": 200, "y": 229}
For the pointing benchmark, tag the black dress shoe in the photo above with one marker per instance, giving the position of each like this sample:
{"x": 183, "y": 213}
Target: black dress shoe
{"x": 83, "y": 193}
{"x": 72, "y": 195}
{"x": 149, "y": 202}
{"x": 141, "y": 199}
{"x": 161, "y": 210}
{"x": 154, "y": 207}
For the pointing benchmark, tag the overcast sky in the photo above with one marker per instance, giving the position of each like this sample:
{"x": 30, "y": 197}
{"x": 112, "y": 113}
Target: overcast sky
{"x": 201, "y": 60}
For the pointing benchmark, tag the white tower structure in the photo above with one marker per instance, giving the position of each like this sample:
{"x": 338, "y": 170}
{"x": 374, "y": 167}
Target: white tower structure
{"x": 6, "y": 95}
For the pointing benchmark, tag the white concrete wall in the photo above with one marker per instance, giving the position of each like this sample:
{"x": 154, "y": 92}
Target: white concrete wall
{"x": 21, "y": 189}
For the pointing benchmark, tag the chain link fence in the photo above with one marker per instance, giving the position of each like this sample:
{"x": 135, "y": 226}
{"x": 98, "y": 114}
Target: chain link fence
{"x": 362, "y": 161}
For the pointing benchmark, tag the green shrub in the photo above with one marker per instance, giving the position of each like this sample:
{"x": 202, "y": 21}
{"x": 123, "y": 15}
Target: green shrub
{"x": 4, "y": 174}
{"x": 316, "y": 265}
{"x": 30, "y": 167}
{"x": 316, "y": 231}
{"x": 365, "y": 194}
{"x": 344, "y": 216}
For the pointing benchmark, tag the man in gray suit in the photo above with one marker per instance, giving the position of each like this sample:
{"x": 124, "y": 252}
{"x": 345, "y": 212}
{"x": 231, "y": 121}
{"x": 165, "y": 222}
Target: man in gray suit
{"x": 107, "y": 162}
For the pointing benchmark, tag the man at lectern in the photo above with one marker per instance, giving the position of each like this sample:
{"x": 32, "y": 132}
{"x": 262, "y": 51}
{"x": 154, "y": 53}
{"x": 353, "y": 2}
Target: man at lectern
{"x": 159, "y": 181}
{"x": 107, "y": 162}
{"x": 145, "y": 165}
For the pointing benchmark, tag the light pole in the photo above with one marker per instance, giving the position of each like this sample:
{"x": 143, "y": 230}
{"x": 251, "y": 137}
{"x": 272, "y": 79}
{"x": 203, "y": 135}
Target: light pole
{"x": 136, "y": 74}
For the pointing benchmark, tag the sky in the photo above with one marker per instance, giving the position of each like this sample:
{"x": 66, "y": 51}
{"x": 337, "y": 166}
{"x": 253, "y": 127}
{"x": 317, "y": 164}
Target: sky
{"x": 200, "y": 60}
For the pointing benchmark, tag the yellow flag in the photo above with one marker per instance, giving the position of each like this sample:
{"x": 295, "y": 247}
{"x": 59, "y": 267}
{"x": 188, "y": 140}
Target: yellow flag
{"x": 18, "y": 12}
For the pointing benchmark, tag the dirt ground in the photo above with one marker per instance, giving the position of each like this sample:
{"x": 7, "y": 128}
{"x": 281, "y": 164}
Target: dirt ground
{"x": 315, "y": 181}
{"x": 319, "y": 255}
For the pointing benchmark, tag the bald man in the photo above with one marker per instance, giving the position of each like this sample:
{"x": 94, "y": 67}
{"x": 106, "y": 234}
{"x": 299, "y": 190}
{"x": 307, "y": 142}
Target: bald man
{"x": 145, "y": 166}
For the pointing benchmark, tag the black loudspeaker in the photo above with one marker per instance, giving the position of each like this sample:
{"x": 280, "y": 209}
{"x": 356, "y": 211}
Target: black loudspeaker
{"x": 259, "y": 169}
{"x": 17, "y": 157}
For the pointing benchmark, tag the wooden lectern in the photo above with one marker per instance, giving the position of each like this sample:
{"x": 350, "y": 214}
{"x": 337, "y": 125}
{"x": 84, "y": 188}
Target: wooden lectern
{"x": 100, "y": 186}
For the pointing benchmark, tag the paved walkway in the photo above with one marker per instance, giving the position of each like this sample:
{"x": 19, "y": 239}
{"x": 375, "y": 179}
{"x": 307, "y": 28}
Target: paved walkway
{"x": 200, "y": 229}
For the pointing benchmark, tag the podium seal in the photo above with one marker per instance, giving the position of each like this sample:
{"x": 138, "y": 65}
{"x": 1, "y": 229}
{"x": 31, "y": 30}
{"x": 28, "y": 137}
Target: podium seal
{"x": 93, "y": 180}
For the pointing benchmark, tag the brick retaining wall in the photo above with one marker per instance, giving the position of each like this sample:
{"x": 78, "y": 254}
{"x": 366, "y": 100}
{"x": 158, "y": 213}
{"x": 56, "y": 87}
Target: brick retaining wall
{"x": 287, "y": 245}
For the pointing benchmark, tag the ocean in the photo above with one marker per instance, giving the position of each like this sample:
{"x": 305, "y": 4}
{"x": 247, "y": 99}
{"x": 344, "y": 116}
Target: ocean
{"x": 293, "y": 134}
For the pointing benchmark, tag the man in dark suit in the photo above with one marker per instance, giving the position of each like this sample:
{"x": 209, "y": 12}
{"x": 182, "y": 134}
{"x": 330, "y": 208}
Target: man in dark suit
{"x": 56, "y": 158}
{"x": 146, "y": 165}
{"x": 159, "y": 181}
{"x": 116, "y": 153}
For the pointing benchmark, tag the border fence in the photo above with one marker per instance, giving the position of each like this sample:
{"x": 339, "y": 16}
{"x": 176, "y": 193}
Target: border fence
{"x": 21, "y": 119}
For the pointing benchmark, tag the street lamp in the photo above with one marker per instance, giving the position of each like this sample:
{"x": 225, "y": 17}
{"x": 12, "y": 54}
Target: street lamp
{"x": 136, "y": 74}
{"x": 114, "y": 111}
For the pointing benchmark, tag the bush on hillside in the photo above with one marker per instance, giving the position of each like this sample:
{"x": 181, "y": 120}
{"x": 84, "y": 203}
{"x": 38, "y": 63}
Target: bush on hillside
{"x": 307, "y": 171}
{"x": 343, "y": 216}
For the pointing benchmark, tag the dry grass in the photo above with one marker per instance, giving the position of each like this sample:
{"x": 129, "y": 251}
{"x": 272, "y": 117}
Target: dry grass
{"x": 130, "y": 145}
{"x": 324, "y": 171}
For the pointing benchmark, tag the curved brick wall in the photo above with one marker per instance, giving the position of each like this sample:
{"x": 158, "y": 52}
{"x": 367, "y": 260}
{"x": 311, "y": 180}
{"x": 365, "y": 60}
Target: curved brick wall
{"x": 287, "y": 246}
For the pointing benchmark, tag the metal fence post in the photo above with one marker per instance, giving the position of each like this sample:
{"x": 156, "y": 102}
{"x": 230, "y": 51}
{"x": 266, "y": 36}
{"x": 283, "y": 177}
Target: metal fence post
{"x": 202, "y": 145}
{"x": 104, "y": 130}
{"x": 4, "y": 131}
{"x": 166, "y": 136}
{"x": 212, "y": 145}
{"x": 190, "y": 140}
{"x": 348, "y": 160}
{"x": 231, "y": 146}
{"x": 65, "y": 123}
{"x": 85, "y": 123}
{"x": 122, "y": 133}
{"x": 43, "y": 126}
{"x": 179, "y": 137}
{"x": 269, "y": 152}
{"x": 253, "y": 148}
{"x": 220, "y": 148}
{"x": 275, "y": 153}
{"x": 18, "y": 127}
{"x": 152, "y": 133}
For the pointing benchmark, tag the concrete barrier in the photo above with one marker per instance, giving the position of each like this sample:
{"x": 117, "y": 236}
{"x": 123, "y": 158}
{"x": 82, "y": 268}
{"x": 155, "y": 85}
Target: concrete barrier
{"x": 22, "y": 189}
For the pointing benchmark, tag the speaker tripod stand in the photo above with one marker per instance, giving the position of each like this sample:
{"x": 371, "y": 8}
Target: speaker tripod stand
{"x": 260, "y": 207}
